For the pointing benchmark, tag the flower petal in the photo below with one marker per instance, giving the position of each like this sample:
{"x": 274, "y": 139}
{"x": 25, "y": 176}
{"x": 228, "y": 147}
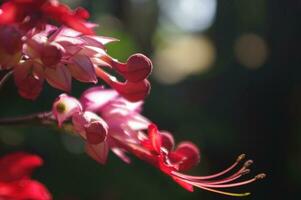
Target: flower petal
{"x": 98, "y": 152}
{"x": 95, "y": 98}
{"x": 59, "y": 77}
{"x": 65, "y": 107}
{"x": 82, "y": 69}
{"x": 18, "y": 166}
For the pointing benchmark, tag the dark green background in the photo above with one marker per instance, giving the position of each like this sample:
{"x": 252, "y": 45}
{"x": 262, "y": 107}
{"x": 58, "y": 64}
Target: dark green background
{"x": 226, "y": 111}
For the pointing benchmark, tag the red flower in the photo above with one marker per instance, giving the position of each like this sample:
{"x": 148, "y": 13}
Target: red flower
{"x": 158, "y": 150}
{"x": 15, "y": 181}
{"x": 35, "y": 13}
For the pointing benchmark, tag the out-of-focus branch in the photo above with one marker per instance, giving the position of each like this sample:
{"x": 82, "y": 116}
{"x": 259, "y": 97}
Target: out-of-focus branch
{"x": 5, "y": 78}
{"x": 43, "y": 118}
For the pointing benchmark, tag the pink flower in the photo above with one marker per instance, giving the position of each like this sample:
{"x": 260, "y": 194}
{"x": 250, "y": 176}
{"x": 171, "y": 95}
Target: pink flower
{"x": 115, "y": 123}
{"x": 58, "y": 54}
{"x": 15, "y": 178}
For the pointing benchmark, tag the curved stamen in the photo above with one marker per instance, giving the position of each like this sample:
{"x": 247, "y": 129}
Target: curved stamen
{"x": 188, "y": 177}
{"x": 258, "y": 177}
{"x": 225, "y": 193}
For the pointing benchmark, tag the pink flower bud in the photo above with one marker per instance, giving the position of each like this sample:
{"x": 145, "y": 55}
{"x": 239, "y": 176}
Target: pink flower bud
{"x": 64, "y": 107}
{"x": 137, "y": 68}
{"x": 81, "y": 120}
{"x": 96, "y": 131}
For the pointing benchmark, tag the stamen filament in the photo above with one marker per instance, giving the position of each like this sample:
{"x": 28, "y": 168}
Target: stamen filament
{"x": 188, "y": 177}
{"x": 225, "y": 193}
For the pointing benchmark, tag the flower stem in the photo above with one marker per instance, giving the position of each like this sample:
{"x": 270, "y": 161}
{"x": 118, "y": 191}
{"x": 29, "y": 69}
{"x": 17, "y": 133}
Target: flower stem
{"x": 5, "y": 78}
{"x": 43, "y": 117}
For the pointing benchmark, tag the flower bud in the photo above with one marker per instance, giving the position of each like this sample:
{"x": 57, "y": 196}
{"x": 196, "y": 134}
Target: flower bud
{"x": 96, "y": 131}
{"x": 133, "y": 91}
{"x": 64, "y": 107}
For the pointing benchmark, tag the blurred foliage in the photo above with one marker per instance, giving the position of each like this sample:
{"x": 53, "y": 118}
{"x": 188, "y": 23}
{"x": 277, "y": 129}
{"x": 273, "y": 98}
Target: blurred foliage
{"x": 227, "y": 110}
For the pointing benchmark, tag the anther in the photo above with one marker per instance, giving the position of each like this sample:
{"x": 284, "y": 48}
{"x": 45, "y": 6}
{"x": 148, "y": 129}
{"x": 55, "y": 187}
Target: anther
{"x": 248, "y": 163}
{"x": 246, "y": 171}
{"x": 240, "y": 157}
{"x": 260, "y": 176}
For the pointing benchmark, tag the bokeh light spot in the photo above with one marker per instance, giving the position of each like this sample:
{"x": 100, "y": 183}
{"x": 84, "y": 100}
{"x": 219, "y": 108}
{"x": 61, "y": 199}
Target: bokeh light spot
{"x": 251, "y": 50}
{"x": 183, "y": 56}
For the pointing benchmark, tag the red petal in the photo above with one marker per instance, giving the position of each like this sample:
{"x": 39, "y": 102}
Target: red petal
{"x": 63, "y": 14}
{"x": 167, "y": 140}
{"x": 185, "y": 185}
{"x": 82, "y": 13}
{"x": 154, "y": 137}
{"x": 189, "y": 155}
{"x": 8, "y": 13}
{"x": 18, "y": 165}
{"x": 24, "y": 189}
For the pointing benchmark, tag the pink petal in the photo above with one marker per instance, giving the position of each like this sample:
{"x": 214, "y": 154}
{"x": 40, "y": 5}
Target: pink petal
{"x": 82, "y": 69}
{"x": 154, "y": 137}
{"x": 98, "y": 152}
{"x": 29, "y": 80}
{"x": 59, "y": 77}
{"x": 98, "y": 41}
{"x": 121, "y": 154}
{"x": 95, "y": 98}
{"x": 51, "y": 55}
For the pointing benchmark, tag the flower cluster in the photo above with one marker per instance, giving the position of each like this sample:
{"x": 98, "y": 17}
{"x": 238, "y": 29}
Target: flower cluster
{"x": 106, "y": 121}
{"x": 15, "y": 181}
{"x": 38, "y": 51}
{"x": 35, "y": 51}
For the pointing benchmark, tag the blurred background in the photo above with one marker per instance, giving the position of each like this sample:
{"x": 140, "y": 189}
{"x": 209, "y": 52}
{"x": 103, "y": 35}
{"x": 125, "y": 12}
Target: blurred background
{"x": 226, "y": 76}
